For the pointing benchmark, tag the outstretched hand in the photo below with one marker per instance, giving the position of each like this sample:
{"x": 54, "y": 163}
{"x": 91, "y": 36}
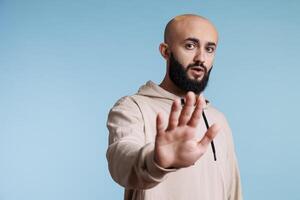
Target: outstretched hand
{"x": 177, "y": 146}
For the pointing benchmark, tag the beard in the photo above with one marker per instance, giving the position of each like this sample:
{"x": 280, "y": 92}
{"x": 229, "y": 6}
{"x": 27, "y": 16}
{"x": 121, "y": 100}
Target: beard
{"x": 178, "y": 75}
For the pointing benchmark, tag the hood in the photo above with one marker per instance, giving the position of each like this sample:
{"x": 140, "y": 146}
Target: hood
{"x": 150, "y": 89}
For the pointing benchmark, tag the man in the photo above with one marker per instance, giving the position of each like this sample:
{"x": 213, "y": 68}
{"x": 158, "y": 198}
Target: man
{"x": 167, "y": 141}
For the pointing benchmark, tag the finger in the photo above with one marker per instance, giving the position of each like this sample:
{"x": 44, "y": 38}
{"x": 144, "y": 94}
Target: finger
{"x": 196, "y": 116}
{"x": 159, "y": 125}
{"x": 187, "y": 109}
{"x": 209, "y": 136}
{"x": 174, "y": 115}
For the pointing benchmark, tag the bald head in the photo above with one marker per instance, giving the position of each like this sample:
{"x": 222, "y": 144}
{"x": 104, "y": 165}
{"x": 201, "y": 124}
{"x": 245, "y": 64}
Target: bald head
{"x": 189, "y": 47}
{"x": 184, "y": 23}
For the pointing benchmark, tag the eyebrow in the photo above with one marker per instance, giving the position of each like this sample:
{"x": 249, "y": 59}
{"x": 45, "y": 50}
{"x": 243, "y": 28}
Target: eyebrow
{"x": 192, "y": 39}
{"x": 211, "y": 44}
{"x": 197, "y": 41}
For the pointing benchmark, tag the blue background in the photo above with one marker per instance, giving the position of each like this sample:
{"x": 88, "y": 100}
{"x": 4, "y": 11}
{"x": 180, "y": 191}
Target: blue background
{"x": 64, "y": 63}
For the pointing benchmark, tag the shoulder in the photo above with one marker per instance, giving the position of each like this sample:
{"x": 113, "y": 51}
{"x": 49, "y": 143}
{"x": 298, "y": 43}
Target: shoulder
{"x": 216, "y": 113}
{"x": 130, "y": 101}
{"x": 219, "y": 117}
{"x": 125, "y": 106}
{"x": 127, "y": 103}
{"x": 124, "y": 101}
{"x": 125, "y": 120}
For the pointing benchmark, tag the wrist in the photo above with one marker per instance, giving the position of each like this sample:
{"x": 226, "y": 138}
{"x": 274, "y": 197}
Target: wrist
{"x": 161, "y": 162}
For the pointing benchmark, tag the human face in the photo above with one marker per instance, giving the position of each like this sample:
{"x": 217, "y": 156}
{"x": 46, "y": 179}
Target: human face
{"x": 178, "y": 75}
{"x": 193, "y": 43}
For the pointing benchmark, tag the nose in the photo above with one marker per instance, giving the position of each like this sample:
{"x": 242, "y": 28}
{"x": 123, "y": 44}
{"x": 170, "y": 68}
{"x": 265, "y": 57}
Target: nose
{"x": 200, "y": 56}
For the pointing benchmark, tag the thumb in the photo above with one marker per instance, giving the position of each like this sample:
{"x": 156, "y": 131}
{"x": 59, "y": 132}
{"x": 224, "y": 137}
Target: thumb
{"x": 209, "y": 135}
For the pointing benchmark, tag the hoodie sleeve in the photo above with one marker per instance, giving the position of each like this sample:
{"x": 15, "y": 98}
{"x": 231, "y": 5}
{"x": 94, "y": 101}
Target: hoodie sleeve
{"x": 130, "y": 160}
{"x": 235, "y": 187}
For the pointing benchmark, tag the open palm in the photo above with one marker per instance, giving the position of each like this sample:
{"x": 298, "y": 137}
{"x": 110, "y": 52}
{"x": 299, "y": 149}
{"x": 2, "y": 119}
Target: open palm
{"x": 177, "y": 146}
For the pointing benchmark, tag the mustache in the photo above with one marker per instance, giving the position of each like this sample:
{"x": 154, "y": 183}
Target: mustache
{"x": 198, "y": 65}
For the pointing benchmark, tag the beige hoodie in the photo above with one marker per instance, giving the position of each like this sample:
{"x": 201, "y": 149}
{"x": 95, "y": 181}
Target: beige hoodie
{"x": 132, "y": 129}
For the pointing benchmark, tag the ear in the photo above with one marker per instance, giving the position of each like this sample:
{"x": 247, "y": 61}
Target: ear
{"x": 164, "y": 50}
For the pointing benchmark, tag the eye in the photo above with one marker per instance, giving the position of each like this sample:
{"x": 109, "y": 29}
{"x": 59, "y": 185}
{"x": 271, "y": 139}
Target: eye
{"x": 190, "y": 46}
{"x": 210, "y": 49}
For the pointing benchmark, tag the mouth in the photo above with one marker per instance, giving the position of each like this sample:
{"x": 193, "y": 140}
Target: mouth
{"x": 197, "y": 71}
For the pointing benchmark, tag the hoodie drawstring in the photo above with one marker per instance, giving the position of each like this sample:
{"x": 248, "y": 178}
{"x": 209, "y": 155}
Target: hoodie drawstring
{"x": 212, "y": 142}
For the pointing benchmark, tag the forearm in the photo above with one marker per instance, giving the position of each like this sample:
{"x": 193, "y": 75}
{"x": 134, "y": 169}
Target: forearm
{"x": 133, "y": 166}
